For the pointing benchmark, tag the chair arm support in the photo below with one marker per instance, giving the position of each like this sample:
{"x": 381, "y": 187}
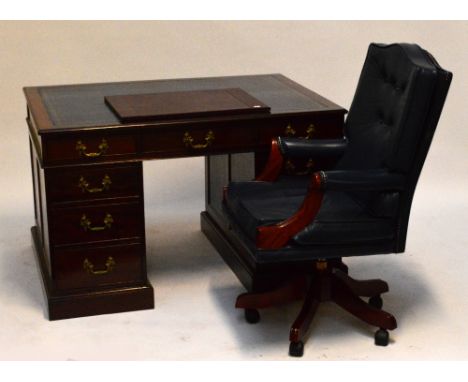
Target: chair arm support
{"x": 274, "y": 165}
{"x": 361, "y": 180}
{"x": 304, "y": 148}
{"x": 278, "y": 235}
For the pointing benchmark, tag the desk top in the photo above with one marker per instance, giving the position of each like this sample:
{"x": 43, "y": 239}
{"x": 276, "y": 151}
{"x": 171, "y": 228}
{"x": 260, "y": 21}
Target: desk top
{"x": 75, "y": 107}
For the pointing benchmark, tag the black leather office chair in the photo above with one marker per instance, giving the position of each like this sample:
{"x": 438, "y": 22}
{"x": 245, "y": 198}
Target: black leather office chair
{"x": 359, "y": 207}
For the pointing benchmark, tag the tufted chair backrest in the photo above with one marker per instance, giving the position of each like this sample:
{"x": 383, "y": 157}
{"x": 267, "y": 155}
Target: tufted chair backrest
{"x": 391, "y": 122}
{"x": 390, "y": 108}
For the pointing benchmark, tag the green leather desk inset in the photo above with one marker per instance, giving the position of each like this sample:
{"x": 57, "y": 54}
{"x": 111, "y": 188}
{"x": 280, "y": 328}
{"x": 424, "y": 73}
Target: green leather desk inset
{"x": 89, "y": 233}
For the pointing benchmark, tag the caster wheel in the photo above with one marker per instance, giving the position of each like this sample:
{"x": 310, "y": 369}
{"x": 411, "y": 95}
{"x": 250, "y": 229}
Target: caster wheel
{"x": 376, "y": 302}
{"x": 381, "y": 337}
{"x": 252, "y": 316}
{"x": 296, "y": 349}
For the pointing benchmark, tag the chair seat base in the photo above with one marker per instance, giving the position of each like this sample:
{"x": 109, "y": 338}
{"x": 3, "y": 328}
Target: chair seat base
{"x": 327, "y": 282}
{"x": 253, "y": 276}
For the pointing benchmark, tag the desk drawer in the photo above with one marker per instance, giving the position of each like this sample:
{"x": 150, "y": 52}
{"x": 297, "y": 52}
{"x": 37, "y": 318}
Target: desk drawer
{"x": 318, "y": 127}
{"x": 99, "y": 266}
{"x": 96, "y": 223}
{"x": 88, "y": 148}
{"x": 199, "y": 141}
{"x": 93, "y": 182}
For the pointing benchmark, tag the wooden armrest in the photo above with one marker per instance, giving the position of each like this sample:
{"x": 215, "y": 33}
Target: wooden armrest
{"x": 278, "y": 235}
{"x": 274, "y": 165}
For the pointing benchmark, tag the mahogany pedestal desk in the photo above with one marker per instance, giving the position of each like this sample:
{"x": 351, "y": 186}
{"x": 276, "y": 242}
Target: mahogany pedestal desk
{"x": 89, "y": 233}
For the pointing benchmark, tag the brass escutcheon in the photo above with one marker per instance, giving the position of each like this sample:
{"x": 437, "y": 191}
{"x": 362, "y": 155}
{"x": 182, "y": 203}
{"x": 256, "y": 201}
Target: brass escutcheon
{"x": 321, "y": 265}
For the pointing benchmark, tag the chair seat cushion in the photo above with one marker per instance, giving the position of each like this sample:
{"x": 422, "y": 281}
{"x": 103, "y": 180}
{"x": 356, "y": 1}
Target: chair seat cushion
{"x": 341, "y": 219}
{"x": 253, "y": 204}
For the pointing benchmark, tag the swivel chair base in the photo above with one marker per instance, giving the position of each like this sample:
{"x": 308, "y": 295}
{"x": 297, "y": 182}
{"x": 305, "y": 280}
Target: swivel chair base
{"x": 329, "y": 281}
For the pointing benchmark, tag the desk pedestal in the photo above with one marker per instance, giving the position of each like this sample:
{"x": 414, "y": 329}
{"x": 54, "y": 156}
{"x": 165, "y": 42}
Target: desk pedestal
{"x": 89, "y": 238}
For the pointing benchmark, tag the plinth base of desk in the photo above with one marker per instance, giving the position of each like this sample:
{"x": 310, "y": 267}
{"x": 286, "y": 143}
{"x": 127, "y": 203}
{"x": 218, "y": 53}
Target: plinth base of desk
{"x": 102, "y": 302}
{"x": 219, "y": 238}
{"x": 255, "y": 277}
{"x": 62, "y": 305}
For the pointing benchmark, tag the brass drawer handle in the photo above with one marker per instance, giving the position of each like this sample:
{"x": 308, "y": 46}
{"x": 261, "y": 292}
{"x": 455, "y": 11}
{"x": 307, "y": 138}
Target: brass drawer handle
{"x": 188, "y": 141}
{"x": 84, "y": 185}
{"x": 310, "y": 131}
{"x": 85, "y": 223}
{"x": 88, "y": 266}
{"x": 290, "y": 168}
{"x": 290, "y": 132}
{"x": 81, "y": 148}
